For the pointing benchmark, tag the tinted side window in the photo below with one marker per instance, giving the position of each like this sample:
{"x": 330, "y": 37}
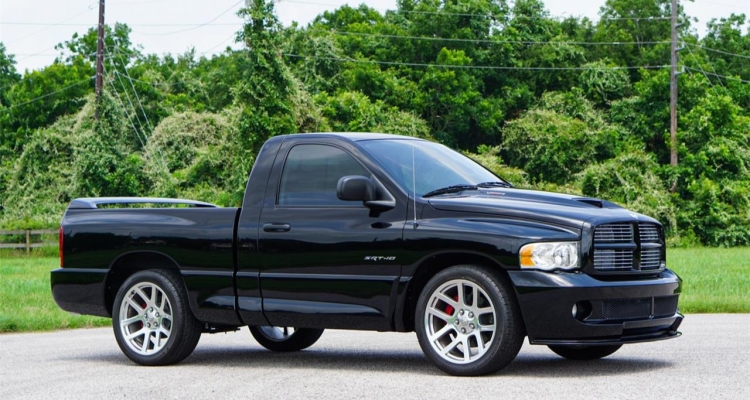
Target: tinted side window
{"x": 311, "y": 173}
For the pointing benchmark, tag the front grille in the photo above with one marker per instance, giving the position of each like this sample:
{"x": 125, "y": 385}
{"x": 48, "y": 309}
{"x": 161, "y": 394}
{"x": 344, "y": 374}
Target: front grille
{"x": 649, "y": 233}
{"x": 613, "y": 260}
{"x": 626, "y": 309}
{"x": 642, "y": 308}
{"x": 614, "y": 233}
{"x": 627, "y": 247}
{"x": 651, "y": 258}
{"x": 665, "y": 306}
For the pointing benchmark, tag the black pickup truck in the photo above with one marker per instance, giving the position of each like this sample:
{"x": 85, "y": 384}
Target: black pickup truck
{"x": 371, "y": 232}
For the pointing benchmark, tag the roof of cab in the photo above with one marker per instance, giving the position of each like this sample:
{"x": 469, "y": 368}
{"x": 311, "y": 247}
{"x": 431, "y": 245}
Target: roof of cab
{"x": 357, "y": 136}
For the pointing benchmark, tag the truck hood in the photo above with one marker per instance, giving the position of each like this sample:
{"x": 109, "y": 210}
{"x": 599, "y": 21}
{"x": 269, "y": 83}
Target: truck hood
{"x": 556, "y": 208}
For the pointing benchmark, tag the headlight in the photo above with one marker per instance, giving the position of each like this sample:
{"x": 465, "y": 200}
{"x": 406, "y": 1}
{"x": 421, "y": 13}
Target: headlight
{"x": 550, "y": 256}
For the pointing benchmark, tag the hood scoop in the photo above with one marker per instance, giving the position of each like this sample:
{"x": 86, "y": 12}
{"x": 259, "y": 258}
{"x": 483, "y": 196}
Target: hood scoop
{"x": 598, "y": 203}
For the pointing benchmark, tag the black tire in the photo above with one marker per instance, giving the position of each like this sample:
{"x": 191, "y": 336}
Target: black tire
{"x": 285, "y": 340}
{"x": 173, "y": 332}
{"x": 502, "y": 344}
{"x": 582, "y": 353}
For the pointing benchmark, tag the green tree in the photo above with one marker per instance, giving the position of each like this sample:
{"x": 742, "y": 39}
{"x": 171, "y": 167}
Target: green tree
{"x": 730, "y": 46}
{"x": 118, "y": 48}
{"x": 271, "y": 99}
{"x": 603, "y": 84}
{"x": 42, "y": 96}
{"x": 559, "y": 138}
{"x": 448, "y": 99}
{"x": 8, "y": 74}
{"x": 354, "y": 112}
{"x": 631, "y": 180}
{"x": 643, "y": 29}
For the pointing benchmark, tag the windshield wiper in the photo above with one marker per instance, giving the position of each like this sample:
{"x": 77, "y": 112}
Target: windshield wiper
{"x": 495, "y": 184}
{"x": 450, "y": 189}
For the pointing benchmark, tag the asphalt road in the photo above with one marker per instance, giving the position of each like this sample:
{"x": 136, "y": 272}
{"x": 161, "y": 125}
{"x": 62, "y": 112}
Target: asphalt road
{"x": 710, "y": 361}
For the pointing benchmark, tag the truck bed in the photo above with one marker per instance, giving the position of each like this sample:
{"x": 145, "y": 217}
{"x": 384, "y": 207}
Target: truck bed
{"x": 195, "y": 240}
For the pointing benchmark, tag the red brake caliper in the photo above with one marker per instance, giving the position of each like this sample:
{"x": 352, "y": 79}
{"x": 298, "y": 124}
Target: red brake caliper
{"x": 144, "y": 307}
{"x": 449, "y": 308}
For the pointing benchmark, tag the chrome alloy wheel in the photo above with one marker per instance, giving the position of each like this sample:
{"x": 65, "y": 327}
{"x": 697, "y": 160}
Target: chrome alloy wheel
{"x": 460, "y": 321}
{"x": 277, "y": 333}
{"x": 146, "y": 318}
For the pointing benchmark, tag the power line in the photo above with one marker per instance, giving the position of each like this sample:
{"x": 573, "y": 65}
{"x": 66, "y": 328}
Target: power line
{"x": 218, "y": 44}
{"x": 50, "y": 94}
{"x": 195, "y": 27}
{"x": 712, "y": 69}
{"x": 135, "y": 113}
{"x": 36, "y": 54}
{"x": 636, "y": 18}
{"x": 159, "y": 83}
{"x": 442, "y": 39}
{"x": 402, "y": 11}
{"x": 127, "y": 3}
{"x": 42, "y": 54}
{"x": 143, "y": 111}
{"x": 124, "y": 111}
{"x": 89, "y": 8}
{"x": 489, "y": 15}
{"x": 127, "y": 115}
{"x": 731, "y": 78}
{"x": 719, "y": 51}
{"x": 135, "y": 92}
{"x": 129, "y": 24}
{"x": 490, "y": 67}
{"x": 704, "y": 72}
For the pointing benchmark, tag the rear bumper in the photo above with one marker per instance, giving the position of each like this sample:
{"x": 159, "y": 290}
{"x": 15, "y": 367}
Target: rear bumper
{"x": 611, "y": 312}
{"x": 79, "y": 290}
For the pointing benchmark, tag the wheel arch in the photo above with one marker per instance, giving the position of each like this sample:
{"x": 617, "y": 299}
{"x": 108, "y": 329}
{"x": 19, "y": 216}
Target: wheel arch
{"x": 127, "y": 264}
{"x": 432, "y": 265}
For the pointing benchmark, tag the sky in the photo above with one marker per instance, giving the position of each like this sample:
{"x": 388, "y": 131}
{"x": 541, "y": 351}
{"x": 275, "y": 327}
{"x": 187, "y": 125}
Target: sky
{"x": 31, "y": 28}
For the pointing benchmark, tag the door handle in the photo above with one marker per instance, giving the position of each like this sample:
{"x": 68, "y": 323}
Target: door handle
{"x": 276, "y": 227}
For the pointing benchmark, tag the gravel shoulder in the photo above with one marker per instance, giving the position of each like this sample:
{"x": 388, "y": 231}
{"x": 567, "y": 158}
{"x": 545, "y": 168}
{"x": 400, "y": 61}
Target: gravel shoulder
{"x": 710, "y": 360}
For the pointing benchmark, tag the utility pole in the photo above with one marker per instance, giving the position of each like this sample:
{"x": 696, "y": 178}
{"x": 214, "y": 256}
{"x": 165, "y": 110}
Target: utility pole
{"x": 673, "y": 95}
{"x": 99, "y": 59}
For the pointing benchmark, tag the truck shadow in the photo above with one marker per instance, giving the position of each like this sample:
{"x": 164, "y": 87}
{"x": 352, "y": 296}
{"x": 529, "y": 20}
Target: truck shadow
{"x": 413, "y": 362}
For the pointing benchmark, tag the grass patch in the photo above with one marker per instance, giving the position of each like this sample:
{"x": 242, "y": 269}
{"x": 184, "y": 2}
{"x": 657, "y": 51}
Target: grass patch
{"x": 47, "y": 251}
{"x": 715, "y": 280}
{"x": 26, "y": 302}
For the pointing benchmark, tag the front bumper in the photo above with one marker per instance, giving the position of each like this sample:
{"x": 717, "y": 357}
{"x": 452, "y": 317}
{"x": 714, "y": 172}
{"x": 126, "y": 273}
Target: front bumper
{"x": 547, "y": 299}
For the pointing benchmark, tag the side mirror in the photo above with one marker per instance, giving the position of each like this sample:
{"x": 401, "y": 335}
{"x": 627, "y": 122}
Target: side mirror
{"x": 355, "y": 188}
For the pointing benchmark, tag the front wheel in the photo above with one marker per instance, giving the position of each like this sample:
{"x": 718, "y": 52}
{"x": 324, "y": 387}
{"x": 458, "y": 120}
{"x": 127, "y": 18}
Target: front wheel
{"x": 285, "y": 339}
{"x": 584, "y": 352}
{"x": 468, "y": 322}
{"x": 152, "y": 320}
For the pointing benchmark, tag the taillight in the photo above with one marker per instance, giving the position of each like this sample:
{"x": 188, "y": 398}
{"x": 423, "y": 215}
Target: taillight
{"x": 60, "y": 243}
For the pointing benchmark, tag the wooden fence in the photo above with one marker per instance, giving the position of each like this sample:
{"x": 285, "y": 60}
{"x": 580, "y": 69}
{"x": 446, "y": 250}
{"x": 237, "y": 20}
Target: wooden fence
{"x": 28, "y": 245}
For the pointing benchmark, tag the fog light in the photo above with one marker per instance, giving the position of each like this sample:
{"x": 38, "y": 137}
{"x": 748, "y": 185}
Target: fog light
{"x": 575, "y": 310}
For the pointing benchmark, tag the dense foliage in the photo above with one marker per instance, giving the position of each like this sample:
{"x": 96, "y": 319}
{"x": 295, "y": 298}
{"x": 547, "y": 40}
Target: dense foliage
{"x": 569, "y": 104}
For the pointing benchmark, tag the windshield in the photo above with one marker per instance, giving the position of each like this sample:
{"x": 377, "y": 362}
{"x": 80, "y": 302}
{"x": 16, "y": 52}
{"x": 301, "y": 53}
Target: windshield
{"x": 436, "y": 166}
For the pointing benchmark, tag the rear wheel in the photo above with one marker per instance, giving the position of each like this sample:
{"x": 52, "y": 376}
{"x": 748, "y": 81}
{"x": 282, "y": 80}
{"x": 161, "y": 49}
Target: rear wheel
{"x": 468, "y": 322}
{"x": 285, "y": 339}
{"x": 584, "y": 352}
{"x": 152, "y": 320}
